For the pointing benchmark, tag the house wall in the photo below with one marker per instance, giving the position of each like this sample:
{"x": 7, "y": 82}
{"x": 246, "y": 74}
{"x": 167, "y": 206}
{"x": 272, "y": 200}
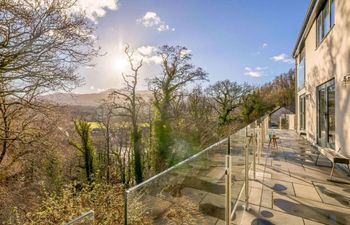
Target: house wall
{"x": 291, "y": 123}
{"x": 331, "y": 59}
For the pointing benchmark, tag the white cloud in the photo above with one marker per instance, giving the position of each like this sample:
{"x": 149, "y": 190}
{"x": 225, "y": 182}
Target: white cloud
{"x": 283, "y": 58}
{"x": 96, "y": 8}
{"x": 92, "y": 8}
{"x": 151, "y": 19}
{"x": 185, "y": 52}
{"x": 148, "y": 54}
{"x": 147, "y": 50}
{"x": 255, "y": 72}
{"x": 265, "y": 45}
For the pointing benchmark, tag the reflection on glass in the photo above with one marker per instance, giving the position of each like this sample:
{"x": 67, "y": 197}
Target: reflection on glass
{"x": 302, "y": 112}
{"x": 193, "y": 191}
{"x": 319, "y": 30}
{"x": 331, "y": 115}
{"x": 322, "y": 115}
{"x": 326, "y": 19}
{"x": 326, "y": 115}
{"x": 332, "y": 12}
{"x": 301, "y": 72}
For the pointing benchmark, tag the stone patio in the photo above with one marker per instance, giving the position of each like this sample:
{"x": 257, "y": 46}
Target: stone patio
{"x": 290, "y": 189}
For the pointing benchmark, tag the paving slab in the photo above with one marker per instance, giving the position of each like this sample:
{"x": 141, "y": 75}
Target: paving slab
{"x": 308, "y": 192}
{"x": 266, "y": 199}
{"x": 279, "y": 186}
{"x": 334, "y": 194}
{"x": 309, "y": 209}
{"x": 269, "y": 217}
{"x": 310, "y": 222}
{"x": 295, "y": 190}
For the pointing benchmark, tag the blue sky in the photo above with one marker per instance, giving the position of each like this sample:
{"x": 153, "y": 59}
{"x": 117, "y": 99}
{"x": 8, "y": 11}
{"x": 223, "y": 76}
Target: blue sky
{"x": 241, "y": 40}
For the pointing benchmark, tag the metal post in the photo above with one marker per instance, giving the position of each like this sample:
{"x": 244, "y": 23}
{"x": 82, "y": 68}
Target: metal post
{"x": 259, "y": 142}
{"x": 262, "y": 137}
{"x": 126, "y": 208}
{"x": 246, "y": 184}
{"x": 228, "y": 183}
{"x": 254, "y": 153}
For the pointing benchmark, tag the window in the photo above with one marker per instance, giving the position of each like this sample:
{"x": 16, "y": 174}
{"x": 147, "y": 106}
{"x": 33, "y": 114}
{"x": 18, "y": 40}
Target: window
{"x": 319, "y": 30}
{"x": 326, "y": 114}
{"x": 302, "y": 112}
{"x": 325, "y": 20}
{"x": 332, "y": 12}
{"x": 301, "y": 71}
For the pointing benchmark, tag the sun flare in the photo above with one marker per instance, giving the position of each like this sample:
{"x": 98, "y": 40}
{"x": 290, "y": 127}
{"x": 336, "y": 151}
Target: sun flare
{"x": 120, "y": 63}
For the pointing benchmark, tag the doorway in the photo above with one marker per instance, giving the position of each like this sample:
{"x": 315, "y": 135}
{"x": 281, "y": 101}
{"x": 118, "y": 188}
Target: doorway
{"x": 326, "y": 115}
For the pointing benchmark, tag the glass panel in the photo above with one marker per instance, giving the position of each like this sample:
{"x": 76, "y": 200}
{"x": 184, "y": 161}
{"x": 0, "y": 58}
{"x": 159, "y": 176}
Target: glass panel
{"x": 301, "y": 72}
{"x": 332, "y": 12}
{"x": 326, "y": 19}
{"x": 326, "y": 115}
{"x": 238, "y": 158}
{"x": 238, "y": 141}
{"x": 331, "y": 115}
{"x": 302, "y": 113}
{"x": 319, "y": 29}
{"x": 193, "y": 190}
{"x": 322, "y": 116}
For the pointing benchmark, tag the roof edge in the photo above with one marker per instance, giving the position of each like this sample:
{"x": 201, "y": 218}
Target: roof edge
{"x": 306, "y": 20}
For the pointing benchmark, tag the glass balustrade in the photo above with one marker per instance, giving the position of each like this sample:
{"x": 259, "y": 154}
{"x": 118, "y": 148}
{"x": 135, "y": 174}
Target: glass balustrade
{"x": 194, "y": 191}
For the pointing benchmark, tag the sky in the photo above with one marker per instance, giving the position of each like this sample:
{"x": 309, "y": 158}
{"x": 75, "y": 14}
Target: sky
{"x": 240, "y": 40}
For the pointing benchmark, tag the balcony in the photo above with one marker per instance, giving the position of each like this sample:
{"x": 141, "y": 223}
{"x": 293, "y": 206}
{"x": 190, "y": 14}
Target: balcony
{"x": 255, "y": 184}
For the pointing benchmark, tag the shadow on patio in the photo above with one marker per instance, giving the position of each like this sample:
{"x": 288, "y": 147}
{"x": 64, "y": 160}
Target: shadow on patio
{"x": 290, "y": 189}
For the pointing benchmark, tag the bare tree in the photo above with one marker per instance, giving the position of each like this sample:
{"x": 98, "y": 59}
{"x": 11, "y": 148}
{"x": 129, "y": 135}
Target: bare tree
{"x": 105, "y": 116}
{"x": 42, "y": 43}
{"x": 85, "y": 148}
{"x": 122, "y": 151}
{"x": 226, "y": 96}
{"x": 130, "y": 105}
{"x": 200, "y": 117}
{"x": 177, "y": 73}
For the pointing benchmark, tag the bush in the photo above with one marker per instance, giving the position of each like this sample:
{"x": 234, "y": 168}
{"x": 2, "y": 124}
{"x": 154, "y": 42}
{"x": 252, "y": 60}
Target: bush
{"x": 106, "y": 201}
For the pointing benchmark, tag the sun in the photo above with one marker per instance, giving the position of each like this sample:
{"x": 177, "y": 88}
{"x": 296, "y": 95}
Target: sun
{"x": 120, "y": 63}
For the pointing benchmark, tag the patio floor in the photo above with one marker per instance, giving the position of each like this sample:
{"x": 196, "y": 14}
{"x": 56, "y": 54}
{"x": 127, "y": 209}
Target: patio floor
{"x": 290, "y": 189}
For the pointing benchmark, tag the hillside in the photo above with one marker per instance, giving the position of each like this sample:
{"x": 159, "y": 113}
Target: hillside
{"x": 90, "y": 99}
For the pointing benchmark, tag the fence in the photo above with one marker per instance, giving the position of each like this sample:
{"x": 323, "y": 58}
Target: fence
{"x": 206, "y": 187}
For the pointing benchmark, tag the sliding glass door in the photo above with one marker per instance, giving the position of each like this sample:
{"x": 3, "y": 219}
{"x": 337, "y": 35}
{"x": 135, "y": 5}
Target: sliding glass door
{"x": 326, "y": 115}
{"x": 302, "y": 112}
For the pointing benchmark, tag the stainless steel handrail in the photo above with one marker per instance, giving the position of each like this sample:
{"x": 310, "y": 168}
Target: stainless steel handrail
{"x": 84, "y": 216}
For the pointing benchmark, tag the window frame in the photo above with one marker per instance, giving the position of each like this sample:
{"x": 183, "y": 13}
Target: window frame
{"x": 301, "y": 58}
{"x": 321, "y": 34}
{"x": 302, "y": 112}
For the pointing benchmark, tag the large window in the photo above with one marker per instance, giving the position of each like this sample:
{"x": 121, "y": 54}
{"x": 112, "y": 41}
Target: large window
{"x": 326, "y": 114}
{"x": 302, "y": 112}
{"x": 301, "y": 71}
{"x": 325, "y": 20}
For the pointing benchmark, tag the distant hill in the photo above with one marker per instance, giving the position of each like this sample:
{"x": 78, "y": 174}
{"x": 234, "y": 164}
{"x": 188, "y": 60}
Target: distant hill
{"x": 91, "y": 99}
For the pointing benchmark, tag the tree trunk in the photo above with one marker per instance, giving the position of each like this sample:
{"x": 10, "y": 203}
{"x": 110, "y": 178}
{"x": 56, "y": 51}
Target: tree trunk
{"x": 136, "y": 137}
